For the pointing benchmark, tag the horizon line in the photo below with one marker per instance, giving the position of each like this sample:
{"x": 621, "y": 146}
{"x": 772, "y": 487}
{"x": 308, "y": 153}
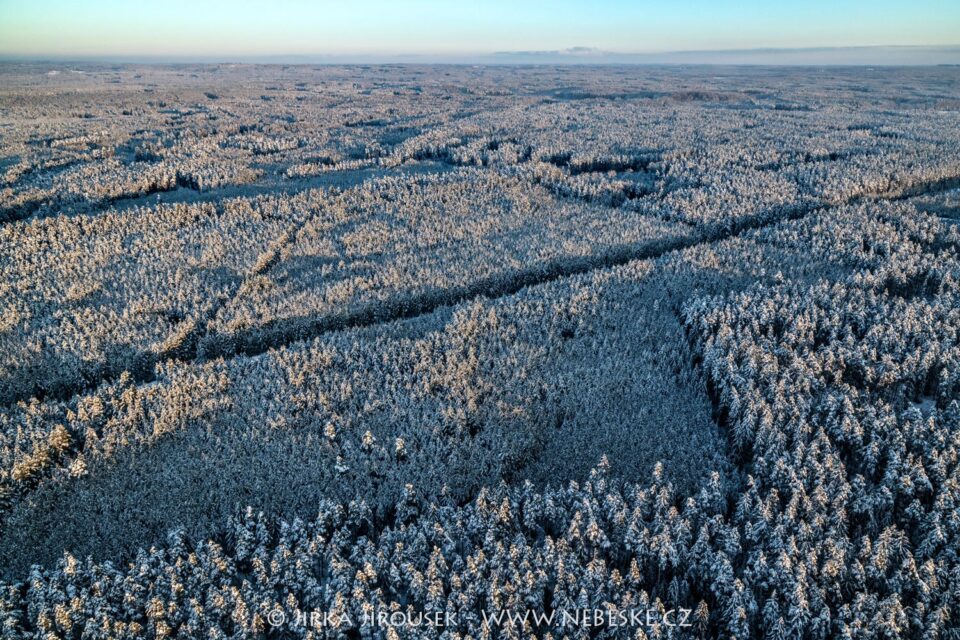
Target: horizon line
{"x": 577, "y": 55}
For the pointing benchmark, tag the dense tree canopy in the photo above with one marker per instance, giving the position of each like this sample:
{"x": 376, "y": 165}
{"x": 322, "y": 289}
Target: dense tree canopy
{"x": 479, "y": 342}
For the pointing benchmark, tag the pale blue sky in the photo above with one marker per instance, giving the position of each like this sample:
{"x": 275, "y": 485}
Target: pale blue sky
{"x": 244, "y": 28}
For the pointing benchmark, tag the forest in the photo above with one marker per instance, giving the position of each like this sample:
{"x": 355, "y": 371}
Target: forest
{"x": 287, "y": 349}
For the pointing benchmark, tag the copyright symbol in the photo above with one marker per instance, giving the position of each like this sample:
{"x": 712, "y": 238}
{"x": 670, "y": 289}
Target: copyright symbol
{"x": 276, "y": 618}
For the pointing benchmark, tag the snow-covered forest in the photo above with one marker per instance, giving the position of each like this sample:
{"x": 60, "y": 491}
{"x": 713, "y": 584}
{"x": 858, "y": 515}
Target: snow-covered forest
{"x": 479, "y": 341}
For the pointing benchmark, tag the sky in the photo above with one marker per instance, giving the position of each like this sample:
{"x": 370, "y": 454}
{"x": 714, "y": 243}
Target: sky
{"x": 244, "y": 29}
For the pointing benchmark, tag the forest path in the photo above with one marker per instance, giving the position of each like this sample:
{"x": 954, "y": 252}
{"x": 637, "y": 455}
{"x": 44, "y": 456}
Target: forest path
{"x": 203, "y": 345}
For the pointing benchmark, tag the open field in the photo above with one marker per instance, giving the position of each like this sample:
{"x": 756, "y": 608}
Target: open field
{"x": 461, "y": 339}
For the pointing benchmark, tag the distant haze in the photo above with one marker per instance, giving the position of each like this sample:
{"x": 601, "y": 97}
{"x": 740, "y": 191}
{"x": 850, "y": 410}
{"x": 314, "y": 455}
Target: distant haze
{"x": 557, "y": 31}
